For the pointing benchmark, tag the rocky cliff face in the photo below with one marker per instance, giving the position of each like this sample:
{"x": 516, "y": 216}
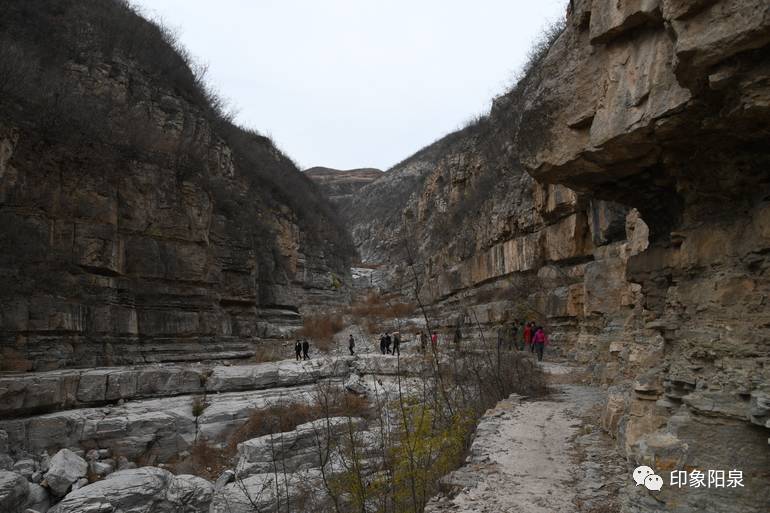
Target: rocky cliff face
{"x": 663, "y": 106}
{"x": 340, "y": 186}
{"x": 138, "y": 224}
{"x": 619, "y": 195}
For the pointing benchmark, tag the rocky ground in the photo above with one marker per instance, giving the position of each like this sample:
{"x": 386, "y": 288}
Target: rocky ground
{"x": 76, "y": 437}
{"x": 538, "y": 456}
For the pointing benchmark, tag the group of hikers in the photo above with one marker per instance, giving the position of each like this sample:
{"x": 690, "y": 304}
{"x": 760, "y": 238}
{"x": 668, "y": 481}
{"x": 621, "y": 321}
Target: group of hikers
{"x": 386, "y": 341}
{"x": 533, "y": 338}
{"x": 301, "y": 348}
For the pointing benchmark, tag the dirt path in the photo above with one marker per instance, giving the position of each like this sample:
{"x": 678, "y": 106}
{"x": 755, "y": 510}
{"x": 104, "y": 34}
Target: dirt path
{"x": 539, "y": 456}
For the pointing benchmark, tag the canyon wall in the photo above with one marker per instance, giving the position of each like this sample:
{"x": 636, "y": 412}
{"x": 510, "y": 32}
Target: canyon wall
{"x": 138, "y": 224}
{"x": 619, "y": 195}
{"x": 663, "y": 106}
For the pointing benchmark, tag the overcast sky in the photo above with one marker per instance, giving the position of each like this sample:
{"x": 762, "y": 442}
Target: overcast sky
{"x": 357, "y": 83}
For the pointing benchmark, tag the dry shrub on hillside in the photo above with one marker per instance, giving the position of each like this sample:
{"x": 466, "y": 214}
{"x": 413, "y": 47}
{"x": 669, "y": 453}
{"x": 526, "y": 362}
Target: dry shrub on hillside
{"x": 383, "y": 307}
{"x": 373, "y": 327}
{"x": 285, "y": 417}
{"x": 204, "y": 460}
{"x": 264, "y": 354}
{"x": 321, "y": 329}
{"x": 14, "y": 361}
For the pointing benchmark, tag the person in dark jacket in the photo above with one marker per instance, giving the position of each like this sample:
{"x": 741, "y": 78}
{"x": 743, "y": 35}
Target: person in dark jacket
{"x": 423, "y": 341}
{"x": 397, "y": 343}
{"x": 539, "y": 341}
{"x": 458, "y": 338}
{"x": 298, "y": 350}
{"x": 351, "y": 344}
{"x": 388, "y": 341}
{"x": 305, "y": 348}
{"x": 382, "y": 344}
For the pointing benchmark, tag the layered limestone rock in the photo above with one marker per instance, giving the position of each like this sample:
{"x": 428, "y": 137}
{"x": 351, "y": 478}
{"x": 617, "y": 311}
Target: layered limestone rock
{"x": 491, "y": 245}
{"x": 23, "y": 394}
{"x": 340, "y": 186}
{"x": 618, "y": 194}
{"x": 146, "y": 489}
{"x": 146, "y": 419}
{"x": 152, "y": 230}
{"x": 662, "y": 106}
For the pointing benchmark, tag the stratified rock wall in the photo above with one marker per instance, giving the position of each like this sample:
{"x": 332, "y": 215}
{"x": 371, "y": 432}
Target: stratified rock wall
{"x": 135, "y": 225}
{"x": 642, "y": 241}
{"x": 341, "y": 185}
{"x": 663, "y": 106}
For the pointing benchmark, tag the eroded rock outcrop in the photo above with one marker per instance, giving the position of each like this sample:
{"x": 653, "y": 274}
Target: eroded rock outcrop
{"x": 674, "y": 98}
{"x": 138, "y": 224}
{"x": 142, "y": 490}
{"x": 619, "y": 193}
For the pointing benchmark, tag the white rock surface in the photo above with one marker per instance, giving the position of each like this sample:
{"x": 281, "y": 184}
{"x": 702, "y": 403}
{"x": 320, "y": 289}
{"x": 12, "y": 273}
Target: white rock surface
{"x": 294, "y": 450}
{"x": 66, "y": 469}
{"x": 38, "y": 499}
{"x": 520, "y": 460}
{"x": 305, "y": 487}
{"x": 142, "y": 490}
{"x": 14, "y": 491}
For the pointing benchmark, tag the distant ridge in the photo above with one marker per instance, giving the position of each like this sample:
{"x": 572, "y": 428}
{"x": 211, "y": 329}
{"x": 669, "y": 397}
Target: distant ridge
{"x": 340, "y": 185}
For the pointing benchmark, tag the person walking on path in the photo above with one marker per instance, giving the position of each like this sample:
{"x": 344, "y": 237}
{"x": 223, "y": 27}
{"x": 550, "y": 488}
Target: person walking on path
{"x": 397, "y": 343}
{"x": 434, "y": 340}
{"x": 540, "y": 340}
{"x": 382, "y": 343}
{"x": 298, "y": 350}
{"x": 388, "y": 341}
{"x": 532, "y": 330}
{"x": 423, "y": 341}
{"x": 305, "y": 348}
{"x": 351, "y": 344}
{"x": 527, "y": 336}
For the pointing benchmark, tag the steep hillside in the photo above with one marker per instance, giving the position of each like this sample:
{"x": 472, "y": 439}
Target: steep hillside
{"x": 618, "y": 195}
{"x": 340, "y": 186}
{"x": 138, "y": 223}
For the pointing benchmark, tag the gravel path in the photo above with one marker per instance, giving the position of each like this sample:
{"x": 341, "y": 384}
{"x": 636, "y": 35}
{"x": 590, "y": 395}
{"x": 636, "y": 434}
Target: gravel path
{"x": 531, "y": 457}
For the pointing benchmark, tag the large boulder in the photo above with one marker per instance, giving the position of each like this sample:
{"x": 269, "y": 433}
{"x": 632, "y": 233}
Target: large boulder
{"x": 14, "y": 490}
{"x": 261, "y": 492}
{"x": 141, "y": 490}
{"x": 65, "y": 470}
{"x": 293, "y": 451}
{"x": 38, "y": 499}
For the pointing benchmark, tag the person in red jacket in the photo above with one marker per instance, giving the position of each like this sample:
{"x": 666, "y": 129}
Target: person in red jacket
{"x": 527, "y": 335}
{"x": 540, "y": 340}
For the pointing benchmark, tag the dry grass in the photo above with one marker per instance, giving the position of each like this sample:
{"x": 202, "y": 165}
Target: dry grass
{"x": 321, "y": 329}
{"x": 209, "y": 461}
{"x": 382, "y": 307}
{"x": 373, "y": 326}
{"x": 286, "y": 417}
{"x": 205, "y": 461}
{"x": 13, "y": 361}
{"x": 265, "y": 354}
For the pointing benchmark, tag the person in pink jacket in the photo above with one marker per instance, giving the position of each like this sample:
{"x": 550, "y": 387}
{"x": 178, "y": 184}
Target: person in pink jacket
{"x": 540, "y": 340}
